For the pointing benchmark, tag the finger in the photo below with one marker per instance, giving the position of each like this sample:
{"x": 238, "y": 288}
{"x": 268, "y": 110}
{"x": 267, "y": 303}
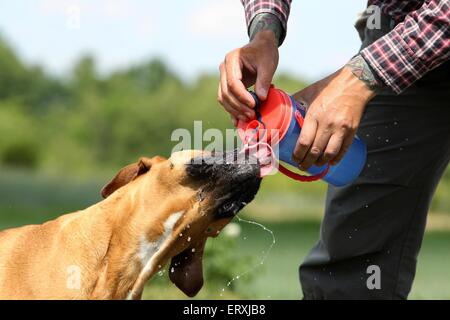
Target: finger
{"x": 331, "y": 150}
{"x": 244, "y": 113}
{"x": 233, "y": 112}
{"x": 263, "y": 81}
{"x": 230, "y": 104}
{"x": 233, "y": 71}
{"x": 345, "y": 146}
{"x": 306, "y": 139}
{"x": 318, "y": 146}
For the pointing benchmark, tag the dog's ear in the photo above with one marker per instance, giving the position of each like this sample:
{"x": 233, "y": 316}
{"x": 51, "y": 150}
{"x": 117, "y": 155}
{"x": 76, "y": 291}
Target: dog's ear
{"x": 187, "y": 269}
{"x": 129, "y": 173}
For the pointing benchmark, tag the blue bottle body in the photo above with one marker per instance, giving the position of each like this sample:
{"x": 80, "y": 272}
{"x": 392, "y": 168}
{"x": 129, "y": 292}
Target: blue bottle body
{"x": 345, "y": 172}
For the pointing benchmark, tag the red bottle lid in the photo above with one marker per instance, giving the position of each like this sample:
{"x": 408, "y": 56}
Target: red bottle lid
{"x": 273, "y": 113}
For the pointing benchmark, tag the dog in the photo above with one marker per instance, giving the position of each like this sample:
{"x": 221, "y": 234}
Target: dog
{"x": 153, "y": 210}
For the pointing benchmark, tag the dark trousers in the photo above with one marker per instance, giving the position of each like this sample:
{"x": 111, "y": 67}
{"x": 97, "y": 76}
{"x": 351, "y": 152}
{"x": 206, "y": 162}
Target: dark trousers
{"x": 378, "y": 222}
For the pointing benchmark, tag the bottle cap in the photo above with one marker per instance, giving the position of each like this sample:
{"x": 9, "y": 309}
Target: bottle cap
{"x": 274, "y": 113}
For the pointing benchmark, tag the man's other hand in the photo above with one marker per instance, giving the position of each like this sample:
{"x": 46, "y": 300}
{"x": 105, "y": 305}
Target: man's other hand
{"x": 335, "y": 107}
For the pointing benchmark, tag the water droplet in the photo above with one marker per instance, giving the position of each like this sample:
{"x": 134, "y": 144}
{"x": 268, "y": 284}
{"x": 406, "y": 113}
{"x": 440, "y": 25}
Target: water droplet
{"x": 181, "y": 234}
{"x": 172, "y": 270}
{"x": 193, "y": 250}
{"x": 189, "y": 239}
{"x": 387, "y": 140}
{"x": 161, "y": 273}
{"x": 265, "y": 252}
{"x": 349, "y": 237}
{"x": 395, "y": 123}
{"x": 366, "y": 206}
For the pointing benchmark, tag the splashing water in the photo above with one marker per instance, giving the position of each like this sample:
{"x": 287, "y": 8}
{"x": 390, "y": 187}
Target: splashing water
{"x": 265, "y": 253}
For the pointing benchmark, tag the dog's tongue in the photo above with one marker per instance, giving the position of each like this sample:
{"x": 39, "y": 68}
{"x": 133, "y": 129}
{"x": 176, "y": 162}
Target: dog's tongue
{"x": 186, "y": 270}
{"x": 264, "y": 153}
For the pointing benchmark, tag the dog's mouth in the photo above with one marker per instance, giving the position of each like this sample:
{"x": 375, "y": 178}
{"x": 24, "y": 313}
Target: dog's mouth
{"x": 186, "y": 268}
{"x": 238, "y": 197}
{"x": 229, "y": 187}
{"x": 231, "y": 179}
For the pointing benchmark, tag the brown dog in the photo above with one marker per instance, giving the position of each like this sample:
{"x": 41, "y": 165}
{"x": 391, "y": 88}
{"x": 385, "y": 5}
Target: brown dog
{"x": 155, "y": 210}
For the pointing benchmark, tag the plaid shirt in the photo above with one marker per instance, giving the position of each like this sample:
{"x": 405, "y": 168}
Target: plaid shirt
{"x": 419, "y": 43}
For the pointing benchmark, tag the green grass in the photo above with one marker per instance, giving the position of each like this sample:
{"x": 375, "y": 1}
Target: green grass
{"x": 278, "y": 277}
{"x": 28, "y": 198}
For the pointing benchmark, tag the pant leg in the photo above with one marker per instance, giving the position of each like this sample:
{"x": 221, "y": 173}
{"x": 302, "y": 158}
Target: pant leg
{"x": 380, "y": 219}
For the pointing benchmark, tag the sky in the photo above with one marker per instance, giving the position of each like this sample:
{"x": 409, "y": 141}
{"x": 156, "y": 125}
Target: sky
{"x": 192, "y": 36}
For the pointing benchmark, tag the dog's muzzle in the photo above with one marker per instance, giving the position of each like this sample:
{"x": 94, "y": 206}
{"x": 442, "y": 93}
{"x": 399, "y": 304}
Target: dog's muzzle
{"x": 233, "y": 178}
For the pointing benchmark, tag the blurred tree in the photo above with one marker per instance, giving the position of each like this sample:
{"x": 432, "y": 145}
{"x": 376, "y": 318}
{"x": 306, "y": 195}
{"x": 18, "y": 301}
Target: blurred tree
{"x": 87, "y": 122}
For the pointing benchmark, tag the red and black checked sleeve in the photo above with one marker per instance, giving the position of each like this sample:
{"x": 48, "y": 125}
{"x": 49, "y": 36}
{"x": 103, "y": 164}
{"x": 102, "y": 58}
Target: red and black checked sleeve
{"x": 415, "y": 46}
{"x": 280, "y": 8}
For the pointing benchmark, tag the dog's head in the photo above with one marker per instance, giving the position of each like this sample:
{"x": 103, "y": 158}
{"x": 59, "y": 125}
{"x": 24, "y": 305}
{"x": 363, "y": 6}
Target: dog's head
{"x": 185, "y": 200}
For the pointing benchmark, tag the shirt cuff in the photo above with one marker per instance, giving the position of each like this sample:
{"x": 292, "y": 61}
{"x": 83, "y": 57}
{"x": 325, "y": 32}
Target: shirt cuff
{"x": 394, "y": 61}
{"x": 281, "y": 11}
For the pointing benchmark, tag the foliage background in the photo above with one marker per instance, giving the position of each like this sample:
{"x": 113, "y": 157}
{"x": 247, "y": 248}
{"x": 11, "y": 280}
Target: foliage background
{"x": 62, "y": 137}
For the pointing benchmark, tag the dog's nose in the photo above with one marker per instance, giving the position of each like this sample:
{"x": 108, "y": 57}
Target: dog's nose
{"x": 232, "y": 166}
{"x": 235, "y": 165}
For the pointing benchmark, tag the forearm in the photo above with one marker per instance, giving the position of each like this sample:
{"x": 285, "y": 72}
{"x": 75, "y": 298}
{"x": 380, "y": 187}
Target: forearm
{"x": 361, "y": 69}
{"x": 267, "y": 15}
{"x": 266, "y": 21}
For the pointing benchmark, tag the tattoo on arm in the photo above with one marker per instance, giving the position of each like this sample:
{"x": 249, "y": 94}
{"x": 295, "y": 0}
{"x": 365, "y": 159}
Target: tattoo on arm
{"x": 362, "y": 71}
{"x": 267, "y": 21}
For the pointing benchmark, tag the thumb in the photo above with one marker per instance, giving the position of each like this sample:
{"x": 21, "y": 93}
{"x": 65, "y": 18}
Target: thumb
{"x": 263, "y": 82}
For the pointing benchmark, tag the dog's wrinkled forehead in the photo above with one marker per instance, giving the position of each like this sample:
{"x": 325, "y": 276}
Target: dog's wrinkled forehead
{"x": 184, "y": 157}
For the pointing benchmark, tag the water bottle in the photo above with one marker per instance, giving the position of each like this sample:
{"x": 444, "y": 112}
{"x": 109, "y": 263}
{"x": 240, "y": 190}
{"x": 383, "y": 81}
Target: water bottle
{"x": 282, "y": 112}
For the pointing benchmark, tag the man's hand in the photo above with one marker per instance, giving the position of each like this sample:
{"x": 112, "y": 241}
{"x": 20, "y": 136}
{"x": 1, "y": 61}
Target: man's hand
{"x": 335, "y": 107}
{"x": 252, "y": 64}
